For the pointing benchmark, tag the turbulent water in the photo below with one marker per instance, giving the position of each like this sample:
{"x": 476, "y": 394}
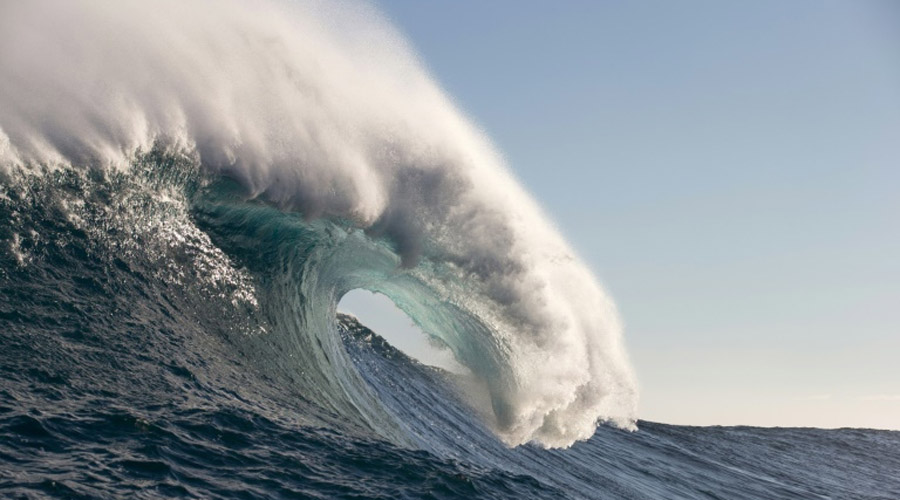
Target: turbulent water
{"x": 188, "y": 189}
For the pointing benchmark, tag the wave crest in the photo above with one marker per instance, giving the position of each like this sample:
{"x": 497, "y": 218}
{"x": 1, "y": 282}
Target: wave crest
{"x": 325, "y": 111}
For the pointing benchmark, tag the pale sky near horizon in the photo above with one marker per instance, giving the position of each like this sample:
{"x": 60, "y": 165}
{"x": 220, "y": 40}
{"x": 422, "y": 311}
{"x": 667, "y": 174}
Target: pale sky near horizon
{"x": 731, "y": 171}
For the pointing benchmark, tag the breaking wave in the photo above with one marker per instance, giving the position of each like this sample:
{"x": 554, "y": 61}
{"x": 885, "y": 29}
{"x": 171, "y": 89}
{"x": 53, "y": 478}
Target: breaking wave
{"x": 283, "y": 155}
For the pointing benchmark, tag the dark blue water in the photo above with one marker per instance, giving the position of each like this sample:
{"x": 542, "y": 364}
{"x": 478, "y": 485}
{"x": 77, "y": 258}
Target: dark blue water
{"x": 161, "y": 337}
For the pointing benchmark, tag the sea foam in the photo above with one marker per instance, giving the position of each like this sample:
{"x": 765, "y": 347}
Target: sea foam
{"x": 326, "y": 111}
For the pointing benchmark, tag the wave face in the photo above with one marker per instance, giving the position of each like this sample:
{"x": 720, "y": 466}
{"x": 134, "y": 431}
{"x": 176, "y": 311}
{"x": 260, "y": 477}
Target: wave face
{"x": 323, "y": 111}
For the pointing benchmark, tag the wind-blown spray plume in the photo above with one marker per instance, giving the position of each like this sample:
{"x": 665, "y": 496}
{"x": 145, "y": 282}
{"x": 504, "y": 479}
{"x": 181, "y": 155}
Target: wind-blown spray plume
{"x": 326, "y": 112}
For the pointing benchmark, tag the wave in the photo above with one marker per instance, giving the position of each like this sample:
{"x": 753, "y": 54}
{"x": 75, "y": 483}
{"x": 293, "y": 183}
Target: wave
{"x": 293, "y": 152}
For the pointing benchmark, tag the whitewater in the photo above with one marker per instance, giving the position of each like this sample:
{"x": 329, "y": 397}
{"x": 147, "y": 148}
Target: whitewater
{"x": 327, "y": 114}
{"x": 187, "y": 191}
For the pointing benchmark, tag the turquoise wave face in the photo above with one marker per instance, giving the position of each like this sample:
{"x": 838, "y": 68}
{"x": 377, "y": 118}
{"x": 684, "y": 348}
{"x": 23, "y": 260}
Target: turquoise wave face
{"x": 303, "y": 268}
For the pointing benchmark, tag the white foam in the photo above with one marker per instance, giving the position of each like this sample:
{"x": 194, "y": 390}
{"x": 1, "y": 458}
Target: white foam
{"x": 325, "y": 110}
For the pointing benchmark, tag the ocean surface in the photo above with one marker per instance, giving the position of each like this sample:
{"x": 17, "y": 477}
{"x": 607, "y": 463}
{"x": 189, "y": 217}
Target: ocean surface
{"x": 187, "y": 191}
{"x": 163, "y": 338}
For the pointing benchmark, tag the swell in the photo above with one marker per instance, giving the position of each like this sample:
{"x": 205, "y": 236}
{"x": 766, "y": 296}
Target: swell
{"x": 320, "y": 117}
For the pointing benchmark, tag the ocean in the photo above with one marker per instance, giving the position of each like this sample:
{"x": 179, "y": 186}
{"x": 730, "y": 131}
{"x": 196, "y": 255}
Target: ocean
{"x": 187, "y": 191}
{"x": 159, "y": 344}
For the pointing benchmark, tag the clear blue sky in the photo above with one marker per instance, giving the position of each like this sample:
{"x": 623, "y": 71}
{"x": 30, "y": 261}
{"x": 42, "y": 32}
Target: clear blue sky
{"x": 731, "y": 171}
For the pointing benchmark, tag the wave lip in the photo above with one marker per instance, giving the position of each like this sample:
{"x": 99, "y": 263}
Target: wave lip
{"x": 325, "y": 111}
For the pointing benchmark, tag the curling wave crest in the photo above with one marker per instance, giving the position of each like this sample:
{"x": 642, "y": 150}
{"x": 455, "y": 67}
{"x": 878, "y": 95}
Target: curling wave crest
{"x": 324, "y": 114}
